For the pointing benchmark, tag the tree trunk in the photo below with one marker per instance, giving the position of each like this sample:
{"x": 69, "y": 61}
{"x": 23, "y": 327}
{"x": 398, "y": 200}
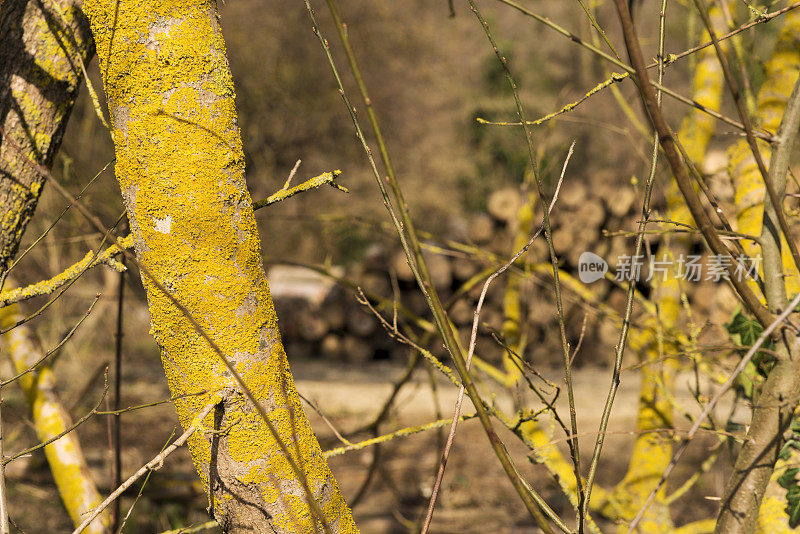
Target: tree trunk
{"x": 181, "y": 170}
{"x": 39, "y": 79}
{"x": 50, "y": 419}
{"x": 773, "y": 411}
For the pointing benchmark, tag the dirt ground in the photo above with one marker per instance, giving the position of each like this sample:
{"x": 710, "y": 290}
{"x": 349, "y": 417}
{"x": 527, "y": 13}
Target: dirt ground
{"x": 476, "y": 497}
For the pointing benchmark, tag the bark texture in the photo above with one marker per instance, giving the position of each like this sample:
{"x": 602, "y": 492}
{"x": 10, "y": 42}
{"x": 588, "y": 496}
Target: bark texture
{"x": 780, "y": 74}
{"x": 39, "y": 79}
{"x": 757, "y": 464}
{"x": 180, "y": 166}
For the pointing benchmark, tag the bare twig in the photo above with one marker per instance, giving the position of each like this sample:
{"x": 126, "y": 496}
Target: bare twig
{"x": 153, "y": 465}
{"x": 580, "y": 339}
{"x": 5, "y": 528}
{"x": 76, "y": 424}
{"x": 712, "y": 404}
{"x": 291, "y": 174}
{"x": 471, "y": 350}
{"x": 669, "y": 145}
{"x": 750, "y": 134}
{"x": 615, "y": 78}
{"x": 629, "y": 70}
{"x": 54, "y": 349}
{"x": 116, "y": 419}
{"x": 619, "y": 352}
{"x": 760, "y": 19}
{"x": 327, "y": 421}
{"x": 402, "y": 338}
{"x": 562, "y": 330}
{"x": 406, "y": 231}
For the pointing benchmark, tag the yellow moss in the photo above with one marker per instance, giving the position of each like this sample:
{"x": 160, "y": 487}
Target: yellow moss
{"x": 181, "y": 169}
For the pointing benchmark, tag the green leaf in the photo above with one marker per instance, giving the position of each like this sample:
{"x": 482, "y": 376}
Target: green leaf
{"x": 795, "y": 425}
{"x": 745, "y": 331}
{"x": 746, "y": 328}
{"x": 786, "y": 451}
{"x": 794, "y": 515}
{"x": 787, "y": 479}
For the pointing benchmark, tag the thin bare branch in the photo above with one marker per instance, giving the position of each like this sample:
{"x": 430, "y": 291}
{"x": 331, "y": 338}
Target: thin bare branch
{"x": 471, "y": 350}
{"x": 765, "y": 335}
{"x": 153, "y": 465}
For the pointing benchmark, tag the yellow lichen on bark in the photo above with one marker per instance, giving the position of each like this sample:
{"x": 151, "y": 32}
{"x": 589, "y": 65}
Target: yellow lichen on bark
{"x": 658, "y": 344}
{"x": 772, "y": 517}
{"x": 40, "y": 50}
{"x": 50, "y": 418}
{"x": 181, "y": 170}
{"x": 780, "y": 74}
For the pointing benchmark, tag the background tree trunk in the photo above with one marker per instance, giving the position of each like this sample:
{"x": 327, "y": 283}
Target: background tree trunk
{"x": 39, "y": 79}
{"x": 50, "y": 419}
{"x": 181, "y": 170}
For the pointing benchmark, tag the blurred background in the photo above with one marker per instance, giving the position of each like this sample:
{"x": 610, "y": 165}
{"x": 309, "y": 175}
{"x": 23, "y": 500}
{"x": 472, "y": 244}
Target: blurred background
{"x": 430, "y": 76}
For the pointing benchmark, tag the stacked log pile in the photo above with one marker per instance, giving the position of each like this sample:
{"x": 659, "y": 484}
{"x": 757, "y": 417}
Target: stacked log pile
{"x": 322, "y": 318}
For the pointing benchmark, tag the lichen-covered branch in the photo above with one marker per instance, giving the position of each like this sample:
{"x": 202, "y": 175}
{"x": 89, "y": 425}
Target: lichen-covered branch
{"x": 45, "y": 287}
{"x": 50, "y": 418}
{"x": 324, "y": 178}
{"x": 180, "y": 166}
{"x": 107, "y": 257}
{"x": 40, "y": 72}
